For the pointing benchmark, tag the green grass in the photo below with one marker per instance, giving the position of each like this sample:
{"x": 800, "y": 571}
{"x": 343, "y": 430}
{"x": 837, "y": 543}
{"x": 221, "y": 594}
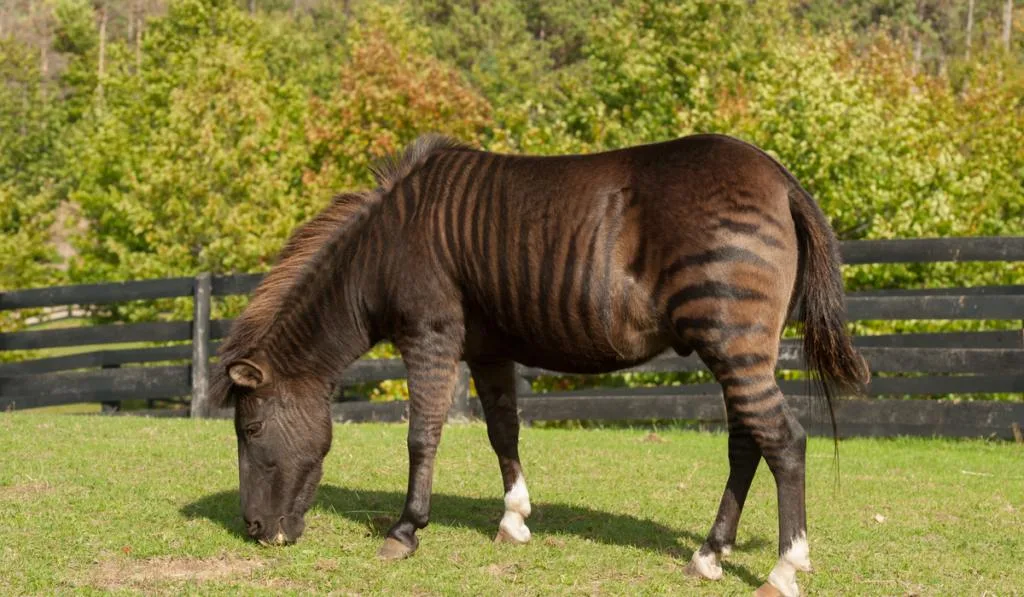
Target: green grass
{"x": 94, "y": 504}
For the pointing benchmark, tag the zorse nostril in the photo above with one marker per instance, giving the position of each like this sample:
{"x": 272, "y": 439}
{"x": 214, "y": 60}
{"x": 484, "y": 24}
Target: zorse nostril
{"x": 254, "y": 526}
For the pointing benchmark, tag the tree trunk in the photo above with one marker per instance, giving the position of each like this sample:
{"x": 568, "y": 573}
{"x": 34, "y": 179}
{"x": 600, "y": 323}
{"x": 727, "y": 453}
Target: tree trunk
{"x": 44, "y": 46}
{"x": 916, "y": 64}
{"x": 44, "y": 58}
{"x": 39, "y": 22}
{"x": 101, "y": 63}
{"x": 1007, "y": 23}
{"x": 970, "y": 26}
{"x": 252, "y": 6}
{"x": 918, "y": 34}
{"x": 137, "y": 15}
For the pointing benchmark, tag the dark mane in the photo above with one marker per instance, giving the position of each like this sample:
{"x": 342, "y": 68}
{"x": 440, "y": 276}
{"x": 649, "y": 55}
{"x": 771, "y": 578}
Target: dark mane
{"x": 392, "y": 169}
{"x": 278, "y": 311}
{"x": 306, "y": 254}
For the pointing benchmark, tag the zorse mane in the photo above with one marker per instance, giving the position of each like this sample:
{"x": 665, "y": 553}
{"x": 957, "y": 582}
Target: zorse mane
{"x": 393, "y": 169}
{"x": 282, "y": 306}
{"x": 295, "y": 259}
{"x": 300, "y": 259}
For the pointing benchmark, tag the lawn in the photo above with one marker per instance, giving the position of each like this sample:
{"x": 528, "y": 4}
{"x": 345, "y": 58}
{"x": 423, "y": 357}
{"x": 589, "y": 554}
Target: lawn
{"x": 93, "y": 504}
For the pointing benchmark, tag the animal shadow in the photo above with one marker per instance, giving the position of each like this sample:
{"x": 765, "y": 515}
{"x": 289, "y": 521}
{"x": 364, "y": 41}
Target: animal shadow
{"x": 378, "y": 509}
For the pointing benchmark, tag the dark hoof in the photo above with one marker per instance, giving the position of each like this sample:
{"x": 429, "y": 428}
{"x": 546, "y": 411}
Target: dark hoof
{"x": 393, "y": 549}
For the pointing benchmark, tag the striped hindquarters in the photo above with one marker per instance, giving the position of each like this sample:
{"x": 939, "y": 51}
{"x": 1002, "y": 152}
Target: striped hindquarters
{"x": 728, "y": 300}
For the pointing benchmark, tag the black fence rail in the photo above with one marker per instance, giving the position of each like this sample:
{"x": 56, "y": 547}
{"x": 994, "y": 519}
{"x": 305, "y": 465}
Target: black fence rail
{"x": 903, "y": 365}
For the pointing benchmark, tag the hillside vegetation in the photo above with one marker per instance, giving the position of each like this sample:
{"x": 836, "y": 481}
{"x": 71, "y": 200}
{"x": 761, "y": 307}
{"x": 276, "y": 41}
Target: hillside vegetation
{"x": 149, "y": 138}
{"x": 153, "y": 138}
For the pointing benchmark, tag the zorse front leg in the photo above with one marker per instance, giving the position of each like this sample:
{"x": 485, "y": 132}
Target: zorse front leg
{"x": 432, "y": 379}
{"x": 496, "y": 386}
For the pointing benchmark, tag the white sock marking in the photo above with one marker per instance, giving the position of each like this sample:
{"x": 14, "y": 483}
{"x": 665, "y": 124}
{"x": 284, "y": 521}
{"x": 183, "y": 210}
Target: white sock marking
{"x": 797, "y": 557}
{"x": 517, "y": 509}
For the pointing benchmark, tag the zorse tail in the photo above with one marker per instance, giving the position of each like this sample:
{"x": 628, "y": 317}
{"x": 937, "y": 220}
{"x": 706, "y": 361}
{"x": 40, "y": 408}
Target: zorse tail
{"x": 828, "y": 350}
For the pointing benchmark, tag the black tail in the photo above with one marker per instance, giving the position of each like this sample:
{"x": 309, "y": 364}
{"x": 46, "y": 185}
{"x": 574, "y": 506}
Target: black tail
{"x": 828, "y": 350}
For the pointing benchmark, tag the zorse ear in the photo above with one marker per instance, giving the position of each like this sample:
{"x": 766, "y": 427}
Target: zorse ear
{"x": 245, "y": 372}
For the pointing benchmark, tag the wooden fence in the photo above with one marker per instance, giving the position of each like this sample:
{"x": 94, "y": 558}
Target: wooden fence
{"x": 911, "y": 365}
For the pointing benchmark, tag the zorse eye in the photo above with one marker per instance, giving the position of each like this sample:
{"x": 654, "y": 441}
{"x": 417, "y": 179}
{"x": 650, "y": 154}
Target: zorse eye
{"x": 253, "y": 429}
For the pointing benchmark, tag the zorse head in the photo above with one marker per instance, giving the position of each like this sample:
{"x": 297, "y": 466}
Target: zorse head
{"x": 302, "y": 326}
{"x": 284, "y": 432}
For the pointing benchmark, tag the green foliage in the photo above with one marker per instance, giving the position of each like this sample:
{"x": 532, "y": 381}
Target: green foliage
{"x": 389, "y": 91}
{"x": 75, "y": 32}
{"x": 201, "y": 149}
{"x": 28, "y": 120}
{"x": 24, "y": 236}
{"x": 29, "y": 125}
{"x": 209, "y": 156}
{"x": 193, "y": 163}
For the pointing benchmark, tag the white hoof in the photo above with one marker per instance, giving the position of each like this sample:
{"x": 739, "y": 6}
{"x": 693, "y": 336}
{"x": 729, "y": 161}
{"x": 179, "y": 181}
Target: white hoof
{"x": 704, "y": 566}
{"x": 512, "y": 529}
{"x": 783, "y": 576}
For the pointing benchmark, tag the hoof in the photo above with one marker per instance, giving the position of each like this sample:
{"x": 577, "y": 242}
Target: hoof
{"x": 705, "y": 567}
{"x": 512, "y": 529}
{"x": 504, "y": 536}
{"x": 767, "y": 590}
{"x": 393, "y": 549}
{"x": 782, "y": 579}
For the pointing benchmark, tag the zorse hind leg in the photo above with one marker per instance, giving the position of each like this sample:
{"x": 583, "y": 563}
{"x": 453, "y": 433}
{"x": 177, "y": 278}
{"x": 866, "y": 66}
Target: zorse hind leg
{"x": 761, "y": 422}
{"x": 496, "y": 386}
{"x": 432, "y": 360}
{"x": 744, "y": 456}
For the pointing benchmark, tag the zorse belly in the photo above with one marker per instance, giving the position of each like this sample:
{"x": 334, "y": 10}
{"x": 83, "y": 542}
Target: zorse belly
{"x": 591, "y": 337}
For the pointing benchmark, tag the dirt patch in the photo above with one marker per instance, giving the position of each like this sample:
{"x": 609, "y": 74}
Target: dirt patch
{"x": 120, "y": 573}
{"x": 24, "y": 490}
{"x": 324, "y": 565}
{"x": 503, "y": 570}
{"x": 653, "y": 438}
{"x": 283, "y": 584}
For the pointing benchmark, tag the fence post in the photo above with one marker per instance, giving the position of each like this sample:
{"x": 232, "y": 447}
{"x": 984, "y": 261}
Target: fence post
{"x": 460, "y": 410}
{"x": 200, "y": 406}
{"x": 110, "y": 407}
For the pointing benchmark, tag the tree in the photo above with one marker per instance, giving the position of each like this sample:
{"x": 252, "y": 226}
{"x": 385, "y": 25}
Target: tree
{"x": 28, "y": 135}
{"x": 388, "y": 93}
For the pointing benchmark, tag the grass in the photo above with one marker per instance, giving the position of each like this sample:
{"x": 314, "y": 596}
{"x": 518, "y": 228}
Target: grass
{"x": 117, "y": 504}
